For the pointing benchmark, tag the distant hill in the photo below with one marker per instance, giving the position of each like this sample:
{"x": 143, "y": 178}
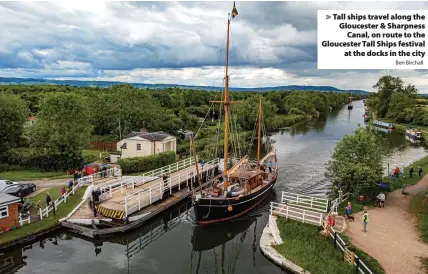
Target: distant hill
{"x": 33, "y": 81}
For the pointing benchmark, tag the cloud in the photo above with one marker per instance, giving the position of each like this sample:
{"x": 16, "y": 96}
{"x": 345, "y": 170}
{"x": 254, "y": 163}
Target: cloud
{"x": 272, "y": 43}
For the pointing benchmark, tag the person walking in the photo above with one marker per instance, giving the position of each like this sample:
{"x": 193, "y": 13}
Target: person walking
{"x": 63, "y": 192}
{"x": 348, "y": 209}
{"x": 365, "y": 220}
{"x": 411, "y": 172}
{"x": 420, "y": 172}
{"x": 48, "y": 199}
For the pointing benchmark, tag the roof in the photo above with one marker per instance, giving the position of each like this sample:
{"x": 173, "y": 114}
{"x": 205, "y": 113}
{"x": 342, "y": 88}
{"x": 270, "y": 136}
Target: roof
{"x": 8, "y": 199}
{"x": 151, "y": 136}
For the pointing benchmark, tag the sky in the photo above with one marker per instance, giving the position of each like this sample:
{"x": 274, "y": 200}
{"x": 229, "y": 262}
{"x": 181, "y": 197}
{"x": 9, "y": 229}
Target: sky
{"x": 272, "y": 43}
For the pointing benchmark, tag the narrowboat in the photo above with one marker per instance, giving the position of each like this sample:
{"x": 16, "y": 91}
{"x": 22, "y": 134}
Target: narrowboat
{"x": 414, "y": 134}
{"x": 366, "y": 118}
{"x": 377, "y": 123}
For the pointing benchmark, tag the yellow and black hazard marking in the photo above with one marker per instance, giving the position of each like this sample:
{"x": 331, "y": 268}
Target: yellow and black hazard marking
{"x": 110, "y": 213}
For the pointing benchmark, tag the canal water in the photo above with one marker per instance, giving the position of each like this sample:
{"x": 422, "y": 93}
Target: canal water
{"x": 172, "y": 244}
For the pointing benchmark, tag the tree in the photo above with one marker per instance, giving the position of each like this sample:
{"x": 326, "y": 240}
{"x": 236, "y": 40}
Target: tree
{"x": 356, "y": 163}
{"x": 399, "y": 102}
{"x": 13, "y": 114}
{"x": 63, "y": 126}
{"x": 388, "y": 85}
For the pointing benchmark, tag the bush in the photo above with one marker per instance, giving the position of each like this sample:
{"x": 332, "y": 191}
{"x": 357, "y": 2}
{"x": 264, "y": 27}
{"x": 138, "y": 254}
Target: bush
{"x": 29, "y": 158}
{"x": 142, "y": 164}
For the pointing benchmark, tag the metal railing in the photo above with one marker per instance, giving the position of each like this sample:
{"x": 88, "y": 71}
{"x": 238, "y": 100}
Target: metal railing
{"x": 295, "y": 213}
{"x": 304, "y": 201}
{"x": 360, "y": 266}
{"x": 150, "y": 194}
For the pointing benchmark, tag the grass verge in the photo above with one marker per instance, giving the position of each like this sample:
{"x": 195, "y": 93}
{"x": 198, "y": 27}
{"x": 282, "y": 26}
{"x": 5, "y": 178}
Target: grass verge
{"x": 419, "y": 206}
{"x": 32, "y": 175}
{"x": 306, "y": 247}
{"x": 47, "y": 222}
{"x": 424, "y": 262}
{"x": 368, "y": 260}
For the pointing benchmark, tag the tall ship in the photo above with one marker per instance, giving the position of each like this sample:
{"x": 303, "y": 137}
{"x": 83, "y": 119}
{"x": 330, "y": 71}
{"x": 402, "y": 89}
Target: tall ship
{"x": 243, "y": 186}
{"x": 350, "y": 105}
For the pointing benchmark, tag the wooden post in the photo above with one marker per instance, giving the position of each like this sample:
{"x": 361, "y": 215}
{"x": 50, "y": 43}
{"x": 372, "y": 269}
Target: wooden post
{"x": 41, "y": 213}
{"x": 335, "y": 239}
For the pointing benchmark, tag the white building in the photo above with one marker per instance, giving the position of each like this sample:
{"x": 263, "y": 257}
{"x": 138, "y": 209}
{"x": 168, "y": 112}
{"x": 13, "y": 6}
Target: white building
{"x": 143, "y": 143}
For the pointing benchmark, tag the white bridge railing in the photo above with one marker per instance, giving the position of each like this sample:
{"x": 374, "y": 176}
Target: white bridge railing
{"x": 295, "y": 213}
{"x": 304, "y": 201}
{"x": 111, "y": 172}
{"x": 150, "y": 194}
{"x": 171, "y": 168}
{"x": 136, "y": 181}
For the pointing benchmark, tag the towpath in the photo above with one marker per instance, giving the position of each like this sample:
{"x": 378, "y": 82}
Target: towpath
{"x": 392, "y": 236}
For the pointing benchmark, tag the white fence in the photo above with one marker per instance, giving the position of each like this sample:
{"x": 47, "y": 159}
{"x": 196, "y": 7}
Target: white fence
{"x": 150, "y": 194}
{"x": 361, "y": 267}
{"x": 111, "y": 172}
{"x": 24, "y": 220}
{"x": 45, "y": 212}
{"x": 296, "y": 213}
{"x": 304, "y": 201}
{"x": 336, "y": 202}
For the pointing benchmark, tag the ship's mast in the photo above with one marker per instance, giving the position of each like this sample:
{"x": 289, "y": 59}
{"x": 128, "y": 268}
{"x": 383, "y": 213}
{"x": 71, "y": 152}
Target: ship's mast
{"x": 226, "y": 104}
{"x": 259, "y": 133}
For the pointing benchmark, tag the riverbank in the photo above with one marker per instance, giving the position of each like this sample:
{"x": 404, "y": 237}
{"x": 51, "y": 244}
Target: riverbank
{"x": 406, "y": 180}
{"x": 48, "y": 224}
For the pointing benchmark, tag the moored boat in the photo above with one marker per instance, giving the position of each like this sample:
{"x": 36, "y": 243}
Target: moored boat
{"x": 414, "y": 134}
{"x": 366, "y": 117}
{"x": 378, "y": 123}
{"x": 245, "y": 185}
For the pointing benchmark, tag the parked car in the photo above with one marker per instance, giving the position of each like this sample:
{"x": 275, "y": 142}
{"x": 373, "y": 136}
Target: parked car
{"x": 20, "y": 190}
{"x": 6, "y": 183}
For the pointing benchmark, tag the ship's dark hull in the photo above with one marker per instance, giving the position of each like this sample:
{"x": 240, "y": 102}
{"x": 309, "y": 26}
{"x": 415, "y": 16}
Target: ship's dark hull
{"x": 209, "y": 211}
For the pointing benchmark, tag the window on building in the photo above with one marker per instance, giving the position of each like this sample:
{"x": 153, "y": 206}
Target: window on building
{"x": 138, "y": 147}
{"x": 4, "y": 212}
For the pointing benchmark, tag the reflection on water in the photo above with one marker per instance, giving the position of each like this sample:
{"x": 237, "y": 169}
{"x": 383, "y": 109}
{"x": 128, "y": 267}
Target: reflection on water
{"x": 172, "y": 244}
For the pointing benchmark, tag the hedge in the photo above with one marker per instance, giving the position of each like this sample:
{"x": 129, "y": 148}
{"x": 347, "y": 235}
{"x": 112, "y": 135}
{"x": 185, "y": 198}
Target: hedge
{"x": 142, "y": 164}
{"x": 36, "y": 159}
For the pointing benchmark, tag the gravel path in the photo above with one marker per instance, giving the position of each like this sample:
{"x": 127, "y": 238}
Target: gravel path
{"x": 392, "y": 237}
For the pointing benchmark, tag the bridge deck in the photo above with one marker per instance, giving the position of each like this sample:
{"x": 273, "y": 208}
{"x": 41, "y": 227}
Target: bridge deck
{"x": 117, "y": 201}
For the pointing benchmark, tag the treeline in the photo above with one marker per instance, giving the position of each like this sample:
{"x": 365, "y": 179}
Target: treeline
{"x": 398, "y": 102}
{"x": 68, "y": 118}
